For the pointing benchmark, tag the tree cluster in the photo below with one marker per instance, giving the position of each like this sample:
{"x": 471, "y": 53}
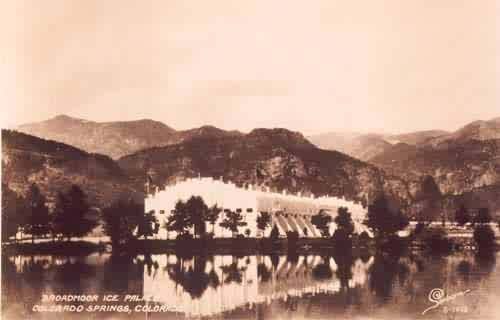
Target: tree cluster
{"x": 483, "y": 235}
{"x": 383, "y": 220}
{"x": 342, "y": 236}
{"x": 322, "y": 221}
{"x": 31, "y": 215}
{"x": 192, "y": 214}
{"x": 70, "y": 216}
{"x": 125, "y": 221}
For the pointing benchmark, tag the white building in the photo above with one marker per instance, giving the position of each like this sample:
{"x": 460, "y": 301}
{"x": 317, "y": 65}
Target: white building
{"x": 288, "y": 211}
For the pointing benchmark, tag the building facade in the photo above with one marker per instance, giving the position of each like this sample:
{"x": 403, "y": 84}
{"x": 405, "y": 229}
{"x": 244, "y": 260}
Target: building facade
{"x": 289, "y": 212}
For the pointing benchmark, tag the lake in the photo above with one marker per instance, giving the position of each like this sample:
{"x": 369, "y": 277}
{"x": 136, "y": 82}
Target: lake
{"x": 168, "y": 286}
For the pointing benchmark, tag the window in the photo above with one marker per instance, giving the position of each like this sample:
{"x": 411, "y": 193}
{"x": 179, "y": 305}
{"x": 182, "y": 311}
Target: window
{"x": 162, "y": 211}
{"x": 239, "y": 210}
{"x": 249, "y": 210}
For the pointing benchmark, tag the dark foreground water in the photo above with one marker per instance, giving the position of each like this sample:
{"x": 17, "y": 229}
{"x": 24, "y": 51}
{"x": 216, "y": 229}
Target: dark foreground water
{"x": 251, "y": 287}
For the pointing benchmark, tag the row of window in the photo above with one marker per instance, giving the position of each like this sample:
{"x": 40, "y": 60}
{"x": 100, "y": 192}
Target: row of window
{"x": 239, "y": 210}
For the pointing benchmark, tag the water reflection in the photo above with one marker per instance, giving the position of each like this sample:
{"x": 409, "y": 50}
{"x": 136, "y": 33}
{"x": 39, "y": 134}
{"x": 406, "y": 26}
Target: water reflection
{"x": 264, "y": 273}
{"x": 464, "y": 270}
{"x": 123, "y": 274}
{"x": 486, "y": 262}
{"x": 386, "y": 269}
{"x": 191, "y": 275}
{"x": 259, "y": 286}
{"x": 197, "y": 286}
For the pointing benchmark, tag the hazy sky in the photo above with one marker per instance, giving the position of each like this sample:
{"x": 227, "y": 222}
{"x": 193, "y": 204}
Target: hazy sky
{"x": 312, "y": 66}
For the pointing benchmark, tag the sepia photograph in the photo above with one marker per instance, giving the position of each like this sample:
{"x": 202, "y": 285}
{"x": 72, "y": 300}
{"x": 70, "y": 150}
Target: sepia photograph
{"x": 260, "y": 159}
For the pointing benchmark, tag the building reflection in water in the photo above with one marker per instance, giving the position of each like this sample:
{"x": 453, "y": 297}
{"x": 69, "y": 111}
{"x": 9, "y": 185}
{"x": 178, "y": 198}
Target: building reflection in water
{"x": 265, "y": 287}
{"x": 204, "y": 286}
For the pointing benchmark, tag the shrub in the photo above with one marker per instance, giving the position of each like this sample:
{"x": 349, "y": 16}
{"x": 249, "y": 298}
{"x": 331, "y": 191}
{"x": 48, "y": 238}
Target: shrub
{"x": 275, "y": 234}
{"x": 484, "y": 237}
{"x": 419, "y": 228}
{"x": 184, "y": 237}
{"x": 342, "y": 240}
{"x": 364, "y": 237}
{"x": 322, "y": 221}
{"x": 322, "y": 271}
{"x": 436, "y": 241}
{"x": 394, "y": 245}
{"x": 462, "y": 216}
{"x": 293, "y": 238}
{"x": 483, "y": 216}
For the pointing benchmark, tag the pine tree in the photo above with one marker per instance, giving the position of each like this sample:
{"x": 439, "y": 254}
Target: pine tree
{"x": 232, "y": 221}
{"x": 13, "y": 212}
{"x": 383, "y": 220}
{"x": 146, "y": 224}
{"x": 344, "y": 220}
{"x": 178, "y": 221}
{"x": 483, "y": 216}
{"x": 194, "y": 213}
{"x": 213, "y": 215}
{"x": 345, "y": 228}
{"x": 484, "y": 236}
{"x": 120, "y": 221}
{"x": 462, "y": 216}
{"x": 58, "y": 214}
{"x": 429, "y": 200}
{"x": 322, "y": 221}
{"x": 263, "y": 221}
{"x": 70, "y": 215}
{"x": 197, "y": 213}
{"x": 275, "y": 233}
{"x": 37, "y": 218}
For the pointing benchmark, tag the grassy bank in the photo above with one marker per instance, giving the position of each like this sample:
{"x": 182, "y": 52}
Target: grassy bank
{"x": 228, "y": 245}
{"x": 243, "y": 246}
{"x": 58, "y": 247}
{"x": 231, "y": 246}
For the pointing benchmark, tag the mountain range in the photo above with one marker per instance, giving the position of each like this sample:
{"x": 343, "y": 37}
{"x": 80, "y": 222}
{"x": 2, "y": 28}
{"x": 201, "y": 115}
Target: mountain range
{"x": 277, "y": 158}
{"x": 353, "y": 165}
{"x": 55, "y": 166}
{"x": 479, "y": 130}
{"x": 357, "y": 145}
{"x": 115, "y": 139}
{"x": 365, "y": 146}
{"x": 459, "y": 161}
{"x": 415, "y": 138}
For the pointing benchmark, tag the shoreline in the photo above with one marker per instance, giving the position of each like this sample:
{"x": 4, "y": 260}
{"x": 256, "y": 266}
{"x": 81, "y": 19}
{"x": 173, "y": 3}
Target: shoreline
{"x": 195, "y": 246}
{"x": 241, "y": 246}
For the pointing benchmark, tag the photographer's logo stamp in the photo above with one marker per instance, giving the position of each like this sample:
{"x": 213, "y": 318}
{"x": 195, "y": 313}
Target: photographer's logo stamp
{"x": 439, "y": 298}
